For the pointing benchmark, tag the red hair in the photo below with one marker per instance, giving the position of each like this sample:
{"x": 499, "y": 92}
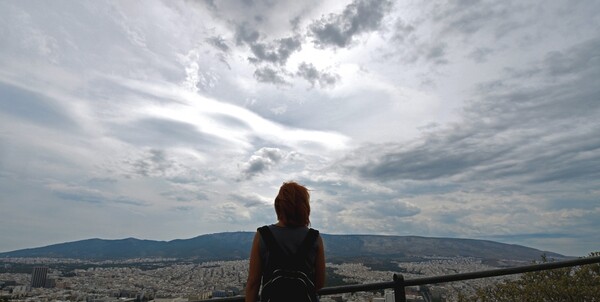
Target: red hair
{"x": 292, "y": 204}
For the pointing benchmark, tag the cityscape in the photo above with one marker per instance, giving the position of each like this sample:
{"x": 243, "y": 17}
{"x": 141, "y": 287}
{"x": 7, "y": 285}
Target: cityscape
{"x": 172, "y": 280}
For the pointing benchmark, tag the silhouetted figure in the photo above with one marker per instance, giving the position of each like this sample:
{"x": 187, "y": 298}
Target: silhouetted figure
{"x": 288, "y": 257}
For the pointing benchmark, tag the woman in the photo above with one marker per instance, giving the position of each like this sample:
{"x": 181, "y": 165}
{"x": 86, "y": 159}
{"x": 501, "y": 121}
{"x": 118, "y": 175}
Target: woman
{"x": 293, "y": 210}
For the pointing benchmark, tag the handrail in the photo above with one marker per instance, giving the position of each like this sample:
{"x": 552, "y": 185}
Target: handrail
{"x": 399, "y": 281}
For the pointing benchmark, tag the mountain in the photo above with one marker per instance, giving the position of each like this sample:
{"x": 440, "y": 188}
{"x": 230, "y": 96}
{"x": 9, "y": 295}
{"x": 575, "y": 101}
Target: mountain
{"x": 220, "y": 246}
{"x": 236, "y": 245}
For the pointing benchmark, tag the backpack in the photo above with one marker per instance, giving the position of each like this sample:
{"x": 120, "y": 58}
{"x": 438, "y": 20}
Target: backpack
{"x": 288, "y": 277}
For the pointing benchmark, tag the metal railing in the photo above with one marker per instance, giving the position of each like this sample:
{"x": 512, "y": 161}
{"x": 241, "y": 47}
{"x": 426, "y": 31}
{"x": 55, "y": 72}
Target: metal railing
{"x": 399, "y": 283}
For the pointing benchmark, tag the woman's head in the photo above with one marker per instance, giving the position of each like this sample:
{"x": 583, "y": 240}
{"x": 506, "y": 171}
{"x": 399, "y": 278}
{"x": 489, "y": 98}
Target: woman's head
{"x": 292, "y": 204}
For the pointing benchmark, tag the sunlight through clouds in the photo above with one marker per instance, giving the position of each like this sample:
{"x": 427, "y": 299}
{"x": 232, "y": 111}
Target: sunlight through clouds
{"x": 460, "y": 119}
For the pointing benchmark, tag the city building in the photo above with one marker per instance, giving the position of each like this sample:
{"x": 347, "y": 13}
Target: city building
{"x": 39, "y": 276}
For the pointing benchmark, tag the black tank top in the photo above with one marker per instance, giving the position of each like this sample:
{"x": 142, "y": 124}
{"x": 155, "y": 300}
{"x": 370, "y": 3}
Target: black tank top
{"x": 289, "y": 239}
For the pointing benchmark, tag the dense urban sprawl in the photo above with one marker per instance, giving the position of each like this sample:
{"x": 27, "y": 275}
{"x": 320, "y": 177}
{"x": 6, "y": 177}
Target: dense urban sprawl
{"x": 172, "y": 280}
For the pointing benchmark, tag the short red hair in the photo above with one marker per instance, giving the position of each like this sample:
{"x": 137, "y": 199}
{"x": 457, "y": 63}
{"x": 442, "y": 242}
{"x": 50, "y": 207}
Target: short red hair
{"x": 292, "y": 204}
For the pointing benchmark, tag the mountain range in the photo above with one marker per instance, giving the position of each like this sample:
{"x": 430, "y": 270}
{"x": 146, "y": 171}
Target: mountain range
{"x": 236, "y": 245}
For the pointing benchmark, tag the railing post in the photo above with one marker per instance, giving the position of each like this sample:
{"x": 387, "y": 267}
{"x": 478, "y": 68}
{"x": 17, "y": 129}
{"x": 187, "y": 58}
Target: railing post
{"x": 399, "y": 293}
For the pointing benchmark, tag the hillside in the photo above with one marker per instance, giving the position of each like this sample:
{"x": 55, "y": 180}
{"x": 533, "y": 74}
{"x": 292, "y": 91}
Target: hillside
{"x": 236, "y": 245}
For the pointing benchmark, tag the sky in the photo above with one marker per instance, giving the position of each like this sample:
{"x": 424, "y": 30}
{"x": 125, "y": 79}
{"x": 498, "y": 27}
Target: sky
{"x": 167, "y": 120}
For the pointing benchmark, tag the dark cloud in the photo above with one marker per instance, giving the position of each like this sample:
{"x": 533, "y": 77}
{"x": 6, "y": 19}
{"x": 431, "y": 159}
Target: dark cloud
{"x": 82, "y": 194}
{"x": 468, "y": 17}
{"x": 97, "y": 199}
{"x": 526, "y": 134}
{"x": 434, "y": 158}
{"x": 245, "y": 35}
{"x": 580, "y": 59}
{"x": 566, "y": 90}
{"x": 159, "y": 163}
{"x": 412, "y": 48}
{"x": 395, "y": 208}
{"x": 154, "y": 163}
{"x": 270, "y": 56}
{"x": 219, "y": 43}
{"x": 338, "y": 30}
{"x": 402, "y": 30}
{"x": 270, "y": 75}
{"x": 209, "y": 3}
{"x": 436, "y": 53}
{"x": 576, "y": 159}
{"x": 262, "y": 160}
{"x": 467, "y": 22}
{"x": 276, "y": 52}
{"x": 183, "y": 208}
{"x": 314, "y": 76}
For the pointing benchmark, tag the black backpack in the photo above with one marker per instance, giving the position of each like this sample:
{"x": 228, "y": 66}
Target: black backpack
{"x": 288, "y": 277}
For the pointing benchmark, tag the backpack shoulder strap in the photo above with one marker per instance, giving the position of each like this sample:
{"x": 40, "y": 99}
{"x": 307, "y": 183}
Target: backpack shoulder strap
{"x": 307, "y": 244}
{"x": 267, "y": 236}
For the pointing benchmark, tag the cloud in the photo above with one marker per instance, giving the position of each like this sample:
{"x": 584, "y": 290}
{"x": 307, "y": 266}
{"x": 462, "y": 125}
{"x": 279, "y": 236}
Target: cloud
{"x": 314, "y": 76}
{"x": 246, "y": 207}
{"x": 89, "y": 195}
{"x": 480, "y": 54}
{"x": 480, "y": 119}
{"x": 276, "y": 52}
{"x": 339, "y": 30}
{"x": 402, "y": 30}
{"x": 231, "y": 121}
{"x": 511, "y": 130}
{"x": 159, "y": 132}
{"x": 380, "y": 217}
{"x": 33, "y": 107}
{"x": 231, "y": 213}
{"x": 523, "y": 159}
{"x": 155, "y": 163}
{"x": 185, "y": 196}
{"x": 219, "y": 43}
{"x": 250, "y": 200}
{"x": 187, "y": 118}
{"x": 468, "y": 17}
{"x": 270, "y": 56}
{"x": 436, "y": 53}
{"x": 174, "y": 166}
{"x": 452, "y": 28}
{"x": 431, "y": 160}
{"x": 396, "y": 208}
{"x": 270, "y": 75}
{"x": 262, "y": 160}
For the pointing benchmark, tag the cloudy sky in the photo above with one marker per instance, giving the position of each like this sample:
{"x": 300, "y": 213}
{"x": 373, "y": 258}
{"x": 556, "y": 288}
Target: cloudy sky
{"x": 172, "y": 119}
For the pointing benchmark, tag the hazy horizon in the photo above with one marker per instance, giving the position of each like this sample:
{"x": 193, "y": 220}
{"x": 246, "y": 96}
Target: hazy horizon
{"x": 333, "y": 244}
{"x": 169, "y": 119}
{"x": 247, "y": 231}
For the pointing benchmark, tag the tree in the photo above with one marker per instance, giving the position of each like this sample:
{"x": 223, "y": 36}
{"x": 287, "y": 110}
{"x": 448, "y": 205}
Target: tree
{"x": 580, "y": 283}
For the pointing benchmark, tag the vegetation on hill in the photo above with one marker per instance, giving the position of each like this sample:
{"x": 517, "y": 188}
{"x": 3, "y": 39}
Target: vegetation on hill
{"x": 581, "y": 283}
{"x": 236, "y": 246}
